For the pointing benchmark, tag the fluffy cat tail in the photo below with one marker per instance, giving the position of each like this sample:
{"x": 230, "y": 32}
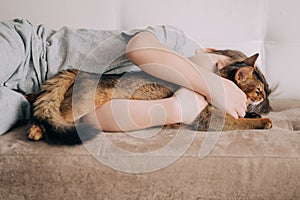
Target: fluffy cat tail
{"x": 70, "y": 136}
{"x": 57, "y": 127}
{"x": 47, "y": 105}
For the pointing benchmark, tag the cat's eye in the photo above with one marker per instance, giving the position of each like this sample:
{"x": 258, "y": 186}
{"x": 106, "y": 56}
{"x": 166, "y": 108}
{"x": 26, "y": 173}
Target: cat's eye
{"x": 258, "y": 91}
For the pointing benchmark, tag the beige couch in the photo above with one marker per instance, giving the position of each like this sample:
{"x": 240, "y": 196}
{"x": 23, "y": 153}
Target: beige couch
{"x": 256, "y": 164}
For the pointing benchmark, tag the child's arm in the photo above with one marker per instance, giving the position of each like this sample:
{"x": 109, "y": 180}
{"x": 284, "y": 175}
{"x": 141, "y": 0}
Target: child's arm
{"x": 129, "y": 115}
{"x": 158, "y": 60}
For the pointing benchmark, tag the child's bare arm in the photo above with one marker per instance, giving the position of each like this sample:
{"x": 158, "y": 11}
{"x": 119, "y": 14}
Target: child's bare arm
{"x": 130, "y": 115}
{"x": 158, "y": 60}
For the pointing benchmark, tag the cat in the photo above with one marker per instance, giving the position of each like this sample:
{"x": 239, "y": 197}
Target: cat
{"x": 54, "y": 119}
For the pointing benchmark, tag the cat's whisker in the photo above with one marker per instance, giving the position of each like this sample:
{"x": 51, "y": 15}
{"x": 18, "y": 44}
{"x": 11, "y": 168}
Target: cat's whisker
{"x": 252, "y": 104}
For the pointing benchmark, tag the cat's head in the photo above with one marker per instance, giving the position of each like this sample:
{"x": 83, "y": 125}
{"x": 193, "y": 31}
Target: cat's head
{"x": 249, "y": 79}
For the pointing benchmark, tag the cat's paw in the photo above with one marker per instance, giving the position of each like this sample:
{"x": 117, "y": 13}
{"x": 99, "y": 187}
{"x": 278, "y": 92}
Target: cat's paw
{"x": 172, "y": 126}
{"x": 35, "y": 133}
{"x": 267, "y": 123}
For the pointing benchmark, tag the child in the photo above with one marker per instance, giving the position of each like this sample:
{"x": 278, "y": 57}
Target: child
{"x": 31, "y": 54}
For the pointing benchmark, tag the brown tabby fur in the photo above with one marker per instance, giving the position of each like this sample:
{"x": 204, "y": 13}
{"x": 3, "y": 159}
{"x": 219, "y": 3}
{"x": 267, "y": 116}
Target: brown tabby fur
{"x": 53, "y": 114}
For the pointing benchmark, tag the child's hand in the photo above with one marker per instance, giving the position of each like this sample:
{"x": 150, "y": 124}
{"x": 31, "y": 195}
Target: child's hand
{"x": 230, "y": 98}
{"x": 234, "y": 101}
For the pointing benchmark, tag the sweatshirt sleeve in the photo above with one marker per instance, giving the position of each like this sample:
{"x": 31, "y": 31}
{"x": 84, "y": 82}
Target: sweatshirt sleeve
{"x": 172, "y": 37}
{"x": 14, "y": 108}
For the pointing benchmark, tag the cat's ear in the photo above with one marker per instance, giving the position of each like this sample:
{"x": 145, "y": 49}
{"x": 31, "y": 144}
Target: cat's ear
{"x": 251, "y": 60}
{"x": 243, "y": 74}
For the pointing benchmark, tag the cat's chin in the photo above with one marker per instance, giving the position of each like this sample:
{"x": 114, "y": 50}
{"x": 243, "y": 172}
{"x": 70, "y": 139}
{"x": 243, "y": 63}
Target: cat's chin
{"x": 252, "y": 104}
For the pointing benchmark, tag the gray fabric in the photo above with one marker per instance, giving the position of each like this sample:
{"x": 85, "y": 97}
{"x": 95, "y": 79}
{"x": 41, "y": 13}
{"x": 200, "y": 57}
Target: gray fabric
{"x": 31, "y": 54}
{"x": 14, "y": 108}
{"x": 20, "y": 69}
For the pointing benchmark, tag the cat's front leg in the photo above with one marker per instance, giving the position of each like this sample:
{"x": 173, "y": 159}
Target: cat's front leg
{"x": 212, "y": 119}
{"x": 265, "y": 123}
{"x": 247, "y": 123}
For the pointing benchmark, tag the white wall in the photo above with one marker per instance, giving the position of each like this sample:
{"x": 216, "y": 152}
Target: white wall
{"x": 270, "y": 27}
{"x": 98, "y": 14}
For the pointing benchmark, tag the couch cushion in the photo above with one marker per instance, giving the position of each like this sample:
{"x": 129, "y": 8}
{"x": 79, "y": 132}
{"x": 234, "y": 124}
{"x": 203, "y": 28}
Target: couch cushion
{"x": 256, "y": 164}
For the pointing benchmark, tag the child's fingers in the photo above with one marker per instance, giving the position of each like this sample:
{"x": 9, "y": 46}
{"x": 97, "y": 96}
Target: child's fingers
{"x": 205, "y": 50}
{"x": 209, "y": 50}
